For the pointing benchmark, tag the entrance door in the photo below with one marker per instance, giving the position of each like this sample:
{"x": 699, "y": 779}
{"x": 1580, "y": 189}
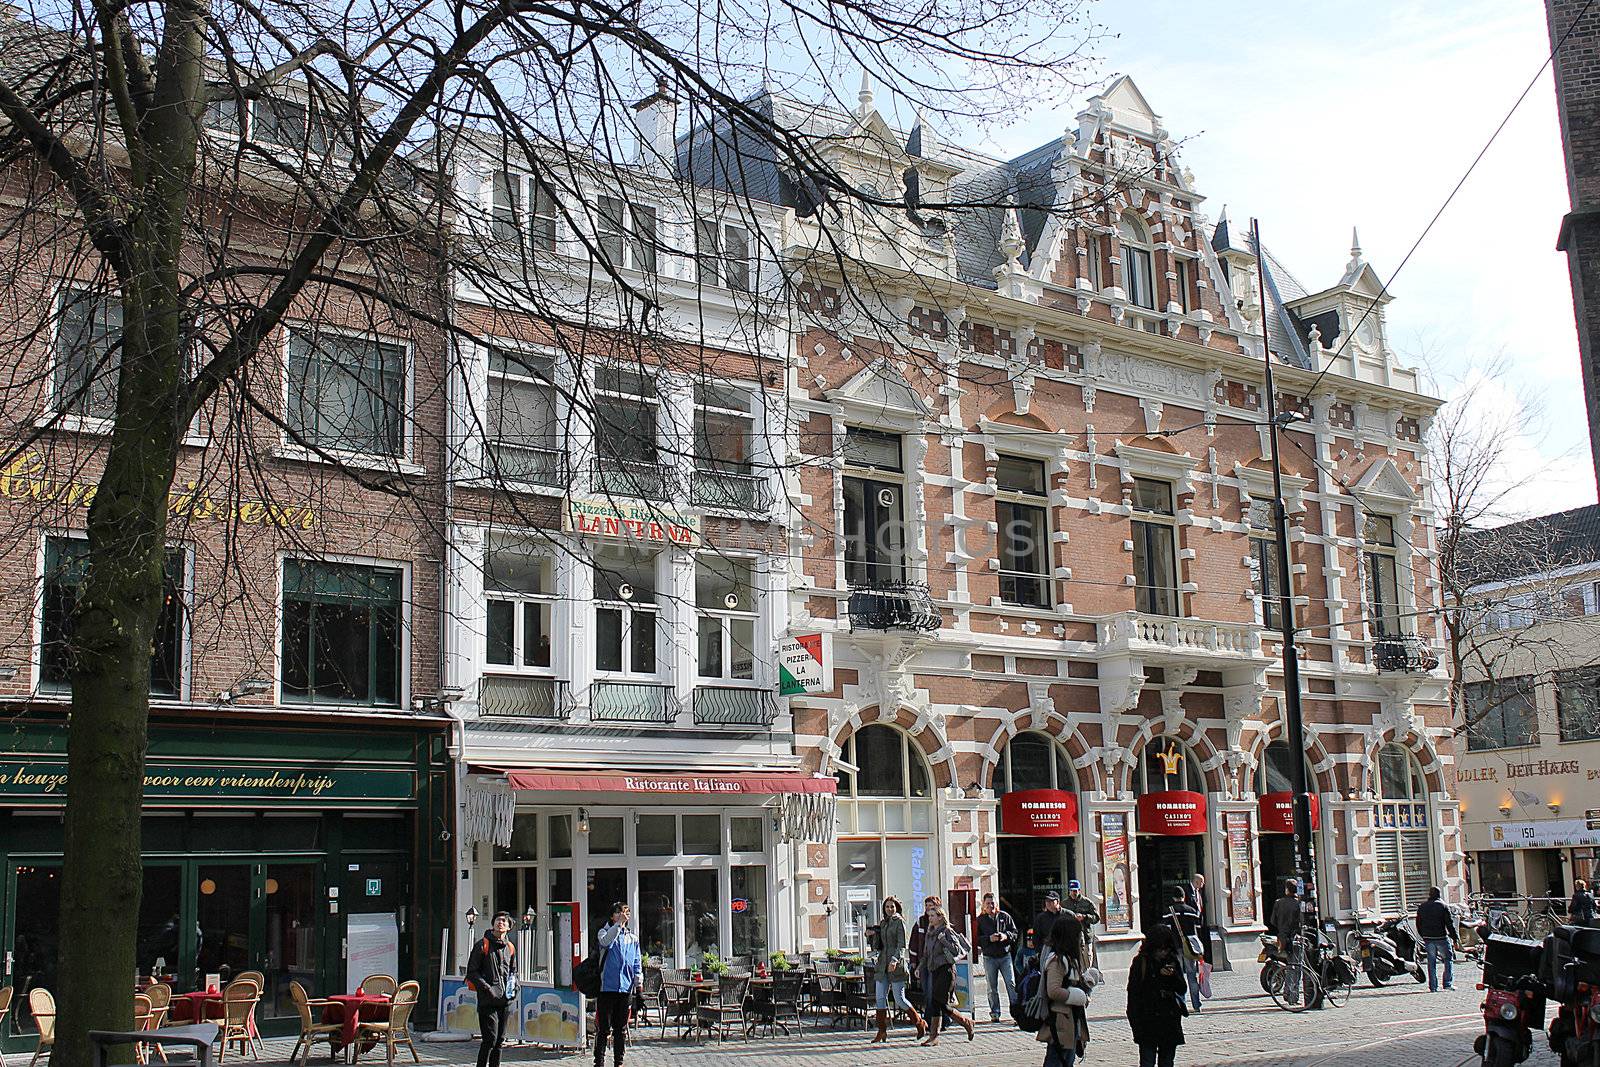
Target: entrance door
{"x": 35, "y": 939}
{"x": 1164, "y": 863}
{"x": 1030, "y": 867}
{"x": 1277, "y": 865}
{"x": 607, "y": 885}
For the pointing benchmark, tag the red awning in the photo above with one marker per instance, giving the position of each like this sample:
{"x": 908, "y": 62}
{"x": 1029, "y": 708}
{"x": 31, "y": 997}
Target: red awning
{"x": 710, "y": 783}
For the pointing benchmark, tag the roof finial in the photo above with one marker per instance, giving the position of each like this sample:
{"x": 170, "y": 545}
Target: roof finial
{"x": 1010, "y": 244}
{"x": 865, "y": 95}
{"x": 1355, "y": 244}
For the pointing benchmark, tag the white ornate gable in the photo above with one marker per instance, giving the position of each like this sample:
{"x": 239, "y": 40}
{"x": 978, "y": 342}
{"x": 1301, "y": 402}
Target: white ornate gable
{"x": 881, "y": 388}
{"x": 1384, "y": 485}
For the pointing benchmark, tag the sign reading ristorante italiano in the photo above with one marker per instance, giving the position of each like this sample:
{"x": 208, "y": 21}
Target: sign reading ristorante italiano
{"x": 26, "y": 478}
{"x": 633, "y": 522}
{"x": 45, "y": 778}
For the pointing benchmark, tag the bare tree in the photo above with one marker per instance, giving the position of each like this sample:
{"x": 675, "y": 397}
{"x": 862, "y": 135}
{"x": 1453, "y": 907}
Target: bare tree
{"x": 206, "y": 173}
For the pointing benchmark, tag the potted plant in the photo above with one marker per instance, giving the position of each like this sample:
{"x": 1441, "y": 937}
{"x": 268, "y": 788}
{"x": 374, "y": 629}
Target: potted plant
{"x": 780, "y": 961}
{"x": 713, "y": 964}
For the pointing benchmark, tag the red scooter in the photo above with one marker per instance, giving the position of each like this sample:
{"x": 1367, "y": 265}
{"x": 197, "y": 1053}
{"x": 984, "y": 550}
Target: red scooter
{"x": 1513, "y": 1000}
{"x": 1572, "y": 973}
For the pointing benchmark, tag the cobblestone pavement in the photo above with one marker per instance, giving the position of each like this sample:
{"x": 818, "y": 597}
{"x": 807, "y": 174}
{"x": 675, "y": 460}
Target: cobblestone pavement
{"x": 1393, "y": 1026}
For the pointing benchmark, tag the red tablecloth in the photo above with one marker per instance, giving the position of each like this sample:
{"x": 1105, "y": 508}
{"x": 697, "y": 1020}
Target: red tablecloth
{"x": 198, "y": 1007}
{"x": 348, "y": 1009}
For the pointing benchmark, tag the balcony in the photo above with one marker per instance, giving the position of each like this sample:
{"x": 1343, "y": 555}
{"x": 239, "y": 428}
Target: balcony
{"x": 511, "y": 696}
{"x": 718, "y": 705}
{"x": 640, "y": 479}
{"x": 1404, "y": 655}
{"x": 632, "y": 702}
{"x": 730, "y": 490}
{"x": 533, "y": 466}
{"x": 1179, "y": 640}
{"x": 894, "y": 606}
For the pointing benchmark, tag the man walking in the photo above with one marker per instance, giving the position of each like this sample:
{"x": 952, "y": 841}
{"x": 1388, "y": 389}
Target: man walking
{"x": 620, "y": 971}
{"x": 997, "y": 933}
{"x": 492, "y": 971}
{"x": 1286, "y": 924}
{"x": 1043, "y": 921}
{"x": 1436, "y": 925}
{"x": 1580, "y": 910}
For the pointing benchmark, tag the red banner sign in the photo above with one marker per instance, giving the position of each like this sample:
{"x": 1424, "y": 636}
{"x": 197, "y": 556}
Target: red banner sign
{"x": 621, "y": 782}
{"x": 1039, "y": 813}
{"x": 1277, "y": 813}
{"x": 1175, "y": 813}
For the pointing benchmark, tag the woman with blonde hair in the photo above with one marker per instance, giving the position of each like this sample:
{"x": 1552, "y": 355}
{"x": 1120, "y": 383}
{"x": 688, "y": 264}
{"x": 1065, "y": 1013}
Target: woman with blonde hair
{"x": 944, "y": 948}
{"x": 892, "y": 969}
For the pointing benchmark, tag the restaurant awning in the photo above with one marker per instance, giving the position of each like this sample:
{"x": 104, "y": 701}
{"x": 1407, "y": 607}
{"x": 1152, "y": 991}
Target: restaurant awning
{"x": 711, "y": 783}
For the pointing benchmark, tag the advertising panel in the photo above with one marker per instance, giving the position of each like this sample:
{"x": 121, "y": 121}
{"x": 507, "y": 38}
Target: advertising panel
{"x": 1114, "y": 867}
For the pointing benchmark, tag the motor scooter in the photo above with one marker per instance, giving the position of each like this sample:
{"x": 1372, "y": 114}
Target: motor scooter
{"x": 1390, "y": 950}
{"x": 1513, "y": 1000}
{"x": 1572, "y": 975}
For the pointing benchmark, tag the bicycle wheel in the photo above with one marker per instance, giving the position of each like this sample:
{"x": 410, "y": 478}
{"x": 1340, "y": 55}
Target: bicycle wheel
{"x": 1337, "y": 994}
{"x": 1539, "y": 926}
{"x": 1298, "y": 996}
{"x": 1271, "y": 976}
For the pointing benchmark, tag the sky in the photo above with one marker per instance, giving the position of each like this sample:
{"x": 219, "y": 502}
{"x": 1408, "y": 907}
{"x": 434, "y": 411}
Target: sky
{"x": 1318, "y": 118}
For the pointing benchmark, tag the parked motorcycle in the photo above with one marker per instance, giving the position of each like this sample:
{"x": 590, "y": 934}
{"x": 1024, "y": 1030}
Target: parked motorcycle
{"x": 1572, "y": 975}
{"x": 1390, "y": 950}
{"x": 1272, "y": 963}
{"x": 1513, "y": 1000}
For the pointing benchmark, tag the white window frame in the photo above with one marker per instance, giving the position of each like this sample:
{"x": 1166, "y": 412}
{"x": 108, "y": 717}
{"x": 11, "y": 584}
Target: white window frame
{"x": 535, "y": 216}
{"x": 901, "y": 569}
{"x": 558, "y": 444}
{"x": 1041, "y": 502}
{"x": 1169, "y": 521}
{"x": 631, "y": 610}
{"x": 725, "y": 618}
{"x": 1373, "y": 555}
{"x": 551, "y": 601}
{"x": 642, "y": 254}
{"x": 1137, "y": 251}
{"x": 61, "y": 416}
{"x": 295, "y": 449}
{"x": 712, "y": 252}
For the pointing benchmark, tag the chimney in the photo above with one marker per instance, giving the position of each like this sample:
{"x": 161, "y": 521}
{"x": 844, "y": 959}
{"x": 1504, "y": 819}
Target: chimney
{"x": 656, "y": 119}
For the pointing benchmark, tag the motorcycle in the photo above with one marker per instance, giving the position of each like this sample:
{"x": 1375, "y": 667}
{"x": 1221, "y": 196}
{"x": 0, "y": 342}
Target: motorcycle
{"x": 1391, "y": 949}
{"x": 1572, "y": 974}
{"x": 1513, "y": 1000}
{"x": 1271, "y": 960}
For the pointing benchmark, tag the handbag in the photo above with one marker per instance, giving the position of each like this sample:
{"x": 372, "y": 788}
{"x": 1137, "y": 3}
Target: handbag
{"x": 1205, "y": 979}
{"x": 587, "y": 975}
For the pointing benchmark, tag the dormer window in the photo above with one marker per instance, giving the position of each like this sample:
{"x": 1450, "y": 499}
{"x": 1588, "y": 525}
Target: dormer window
{"x": 1137, "y": 262}
{"x": 523, "y": 205}
{"x": 626, "y": 234}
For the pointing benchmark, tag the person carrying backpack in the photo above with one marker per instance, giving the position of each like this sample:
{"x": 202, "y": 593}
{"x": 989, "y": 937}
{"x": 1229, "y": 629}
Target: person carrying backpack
{"x": 492, "y": 973}
{"x": 1067, "y": 980}
{"x": 620, "y": 971}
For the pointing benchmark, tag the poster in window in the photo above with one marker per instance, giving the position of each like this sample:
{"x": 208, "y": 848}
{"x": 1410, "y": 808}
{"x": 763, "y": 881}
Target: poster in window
{"x": 1114, "y": 869}
{"x": 1241, "y": 868}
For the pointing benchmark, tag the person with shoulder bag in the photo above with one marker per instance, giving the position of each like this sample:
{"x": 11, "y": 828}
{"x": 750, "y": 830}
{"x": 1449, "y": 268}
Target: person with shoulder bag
{"x": 1185, "y": 922}
{"x": 942, "y": 950}
{"x": 1156, "y": 1007}
{"x": 492, "y": 973}
{"x": 621, "y": 969}
{"x": 1068, "y": 980}
{"x": 892, "y": 970}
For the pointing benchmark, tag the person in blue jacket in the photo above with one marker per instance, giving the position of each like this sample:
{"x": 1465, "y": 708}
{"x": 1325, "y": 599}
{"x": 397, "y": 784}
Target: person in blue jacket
{"x": 620, "y": 971}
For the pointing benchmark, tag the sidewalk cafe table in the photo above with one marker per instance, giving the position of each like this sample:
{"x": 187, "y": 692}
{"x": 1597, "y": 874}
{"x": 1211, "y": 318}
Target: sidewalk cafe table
{"x": 698, "y": 989}
{"x": 349, "y": 1009}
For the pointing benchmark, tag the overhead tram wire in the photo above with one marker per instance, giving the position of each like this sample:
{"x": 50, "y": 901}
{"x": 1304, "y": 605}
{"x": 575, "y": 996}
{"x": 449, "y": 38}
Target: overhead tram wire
{"x": 1454, "y": 190}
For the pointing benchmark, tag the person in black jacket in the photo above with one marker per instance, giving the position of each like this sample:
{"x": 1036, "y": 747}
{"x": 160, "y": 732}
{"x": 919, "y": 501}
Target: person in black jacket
{"x": 1580, "y": 910}
{"x": 1185, "y": 922}
{"x": 492, "y": 971}
{"x": 1436, "y": 925}
{"x": 1043, "y": 921}
{"x": 1155, "y": 998}
{"x": 997, "y": 933}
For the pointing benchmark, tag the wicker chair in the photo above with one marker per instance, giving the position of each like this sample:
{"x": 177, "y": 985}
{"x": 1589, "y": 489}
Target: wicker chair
{"x": 239, "y": 1000}
{"x": 677, "y": 1005}
{"x": 784, "y": 1007}
{"x": 311, "y": 1031}
{"x": 727, "y": 1010}
{"x": 379, "y": 985}
{"x": 394, "y": 1031}
{"x": 5, "y": 1003}
{"x": 42, "y": 1006}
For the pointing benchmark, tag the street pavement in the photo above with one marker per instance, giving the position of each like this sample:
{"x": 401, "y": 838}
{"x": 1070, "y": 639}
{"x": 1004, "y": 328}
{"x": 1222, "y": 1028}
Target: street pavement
{"x": 1398, "y": 1025}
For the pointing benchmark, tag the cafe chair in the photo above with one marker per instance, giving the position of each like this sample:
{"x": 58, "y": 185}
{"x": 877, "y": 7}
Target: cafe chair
{"x": 784, "y": 1007}
{"x": 311, "y": 1031}
{"x": 5, "y": 1005}
{"x": 239, "y": 999}
{"x": 379, "y": 985}
{"x": 261, "y": 987}
{"x": 727, "y": 1009}
{"x": 42, "y": 1006}
{"x": 677, "y": 1004}
{"x": 648, "y": 1001}
{"x": 394, "y": 1031}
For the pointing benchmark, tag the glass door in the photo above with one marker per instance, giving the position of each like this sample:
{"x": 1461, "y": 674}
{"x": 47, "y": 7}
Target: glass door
{"x": 36, "y": 889}
{"x": 288, "y": 944}
{"x": 222, "y": 921}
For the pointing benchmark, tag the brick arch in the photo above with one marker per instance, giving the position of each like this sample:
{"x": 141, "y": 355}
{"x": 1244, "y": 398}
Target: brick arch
{"x": 1191, "y": 736}
{"x": 924, "y": 732}
{"x": 1004, "y": 413}
{"x": 1320, "y": 758}
{"x": 1419, "y": 745}
{"x": 1055, "y": 727}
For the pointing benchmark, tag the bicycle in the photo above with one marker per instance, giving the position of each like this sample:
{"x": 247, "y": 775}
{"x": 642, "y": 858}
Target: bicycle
{"x": 1295, "y": 986}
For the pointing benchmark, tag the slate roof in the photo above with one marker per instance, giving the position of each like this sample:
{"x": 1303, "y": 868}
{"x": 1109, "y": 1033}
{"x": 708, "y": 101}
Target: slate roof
{"x": 1563, "y": 539}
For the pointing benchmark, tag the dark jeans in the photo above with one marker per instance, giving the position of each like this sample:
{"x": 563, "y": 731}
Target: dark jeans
{"x": 940, "y": 981}
{"x": 1157, "y": 1055}
{"x": 492, "y": 1024}
{"x": 611, "y": 1016}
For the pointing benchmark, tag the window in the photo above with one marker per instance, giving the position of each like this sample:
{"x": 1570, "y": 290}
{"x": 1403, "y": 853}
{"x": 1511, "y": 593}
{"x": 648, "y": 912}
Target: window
{"x": 66, "y": 565}
{"x": 1383, "y": 589}
{"x": 1401, "y": 838}
{"x": 1033, "y": 761}
{"x": 519, "y": 594}
{"x": 1264, "y": 562}
{"x": 1180, "y": 285}
{"x": 1023, "y": 523}
{"x": 88, "y": 353}
{"x": 341, "y": 633}
{"x": 1578, "y": 704}
{"x": 1497, "y": 873}
{"x": 222, "y": 112}
{"x": 523, "y": 205}
{"x": 1168, "y": 765}
{"x": 522, "y": 418}
{"x": 1275, "y": 772}
{"x": 724, "y": 435}
{"x": 723, "y": 254}
{"x": 1503, "y": 713}
{"x": 347, "y": 393}
{"x": 625, "y": 610}
{"x": 626, "y": 410}
{"x": 626, "y": 234}
{"x": 295, "y": 125}
{"x": 888, "y": 765}
{"x": 1093, "y": 251}
{"x": 874, "y": 516}
{"x": 1136, "y": 262}
{"x": 724, "y": 595}
{"x": 1155, "y": 560}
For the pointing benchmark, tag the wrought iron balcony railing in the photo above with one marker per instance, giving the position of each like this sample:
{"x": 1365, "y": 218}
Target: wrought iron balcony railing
{"x": 894, "y": 606}
{"x": 726, "y": 705}
{"x": 730, "y": 491}
{"x": 513, "y": 696}
{"x": 535, "y": 466}
{"x": 1406, "y": 655}
{"x": 632, "y": 478}
{"x": 632, "y": 702}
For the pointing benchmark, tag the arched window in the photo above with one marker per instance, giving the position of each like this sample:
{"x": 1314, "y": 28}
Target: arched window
{"x": 1033, "y": 761}
{"x": 1275, "y": 772}
{"x": 1402, "y": 845}
{"x": 885, "y": 827}
{"x": 1138, "y": 269}
{"x": 1168, "y": 764}
{"x": 888, "y": 765}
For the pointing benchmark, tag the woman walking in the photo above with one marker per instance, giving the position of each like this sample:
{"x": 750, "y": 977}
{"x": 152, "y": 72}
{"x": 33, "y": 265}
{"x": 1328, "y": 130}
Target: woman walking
{"x": 892, "y": 970}
{"x": 1156, "y": 988}
{"x": 942, "y": 950}
{"x": 1067, "y": 984}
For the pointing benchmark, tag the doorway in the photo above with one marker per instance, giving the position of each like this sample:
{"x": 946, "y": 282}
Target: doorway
{"x": 1030, "y": 867}
{"x": 1277, "y": 865}
{"x": 1165, "y": 863}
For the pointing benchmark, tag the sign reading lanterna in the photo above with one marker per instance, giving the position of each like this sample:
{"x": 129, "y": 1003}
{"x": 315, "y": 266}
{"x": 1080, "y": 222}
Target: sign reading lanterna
{"x": 634, "y": 522}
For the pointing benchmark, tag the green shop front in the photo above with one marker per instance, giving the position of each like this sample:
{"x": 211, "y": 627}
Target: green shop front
{"x": 315, "y": 852}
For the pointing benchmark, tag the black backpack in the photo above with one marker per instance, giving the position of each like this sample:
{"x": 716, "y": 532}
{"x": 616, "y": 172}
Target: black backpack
{"x": 586, "y": 975}
{"x": 1029, "y": 1011}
